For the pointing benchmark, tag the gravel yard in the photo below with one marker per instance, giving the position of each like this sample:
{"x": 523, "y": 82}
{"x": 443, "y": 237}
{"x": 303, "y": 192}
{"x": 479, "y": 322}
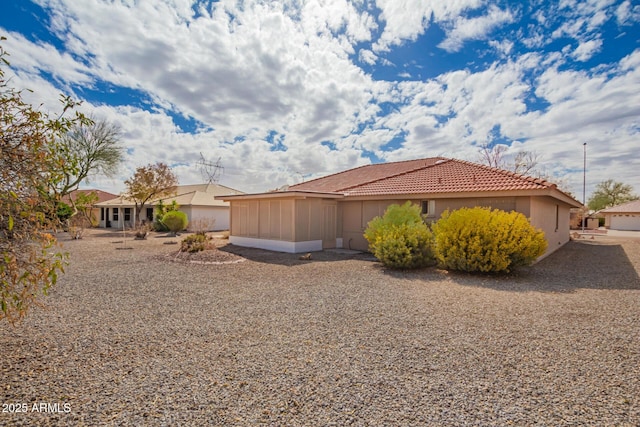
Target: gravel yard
{"x": 129, "y": 338}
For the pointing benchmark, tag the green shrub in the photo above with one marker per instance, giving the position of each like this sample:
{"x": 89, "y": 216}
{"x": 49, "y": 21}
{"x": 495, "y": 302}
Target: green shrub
{"x": 482, "y": 240}
{"x": 400, "y": 238}
{"x": 63, "y": 211}
{"x": 161, "y": 210}
{"x": 175, "y": 221}
{"x": 196, "y": 243}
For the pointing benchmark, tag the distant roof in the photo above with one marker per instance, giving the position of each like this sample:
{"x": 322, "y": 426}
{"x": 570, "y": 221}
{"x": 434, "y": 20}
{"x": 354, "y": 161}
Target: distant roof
{"x": 199, "y": 195}
{"x": 629, "y": 207}
{"x": 186, "y": 195}
{"x": 103, "y": 196}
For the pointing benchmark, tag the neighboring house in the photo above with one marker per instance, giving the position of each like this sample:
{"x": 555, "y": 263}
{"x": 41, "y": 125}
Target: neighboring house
{"x": 93, "y": 210}
{"x": 334, "y": 211}
{"x": 622, "y": 217}
{"x": 197, "y": 201}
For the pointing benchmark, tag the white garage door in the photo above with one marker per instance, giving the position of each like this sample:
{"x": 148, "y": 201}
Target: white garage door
{"x": 625, "y": 222}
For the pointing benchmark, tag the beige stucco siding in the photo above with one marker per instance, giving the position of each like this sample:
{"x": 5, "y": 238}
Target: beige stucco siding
{"x": 207, "y": 217}
{"x": 286, "y": 219}
{"x": 355, "y": 217}
{"x": 305, "y": 223}
{"x": 275, "y": 219}
{"x": 308, "y": 224}
{"x": 244, "y": 218}
{"x": 357, "y": 214}
{"x": 507, "y": 204}
{"x": 552, "y": 217}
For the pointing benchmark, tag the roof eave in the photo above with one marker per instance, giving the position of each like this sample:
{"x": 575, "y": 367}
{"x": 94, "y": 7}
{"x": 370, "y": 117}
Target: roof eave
{"x": 552, "y": 192}
{"x": 281, "y": 195}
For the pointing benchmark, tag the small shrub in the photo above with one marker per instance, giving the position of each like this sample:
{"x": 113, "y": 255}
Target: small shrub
{"x": 196, "y": 243}
{"x": 142, "y": 232}
{"x": 161, "y": 211}
{"x": 482, "y": 240}
{"x": 202, "y": 225}
{"x": 175, "y": 221}
{"x": 400, "y": 238}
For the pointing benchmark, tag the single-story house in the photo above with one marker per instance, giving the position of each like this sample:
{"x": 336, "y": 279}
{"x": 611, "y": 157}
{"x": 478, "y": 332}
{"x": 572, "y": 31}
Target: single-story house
{"x": 333, "y": 211}
{"x": 102, "y": 196}
{"x": 622, "y": 217}
{"x": 198, "y": 201}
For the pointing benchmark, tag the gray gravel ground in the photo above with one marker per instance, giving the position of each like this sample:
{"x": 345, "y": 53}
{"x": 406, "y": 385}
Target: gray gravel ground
{"x": 128, "y": 338}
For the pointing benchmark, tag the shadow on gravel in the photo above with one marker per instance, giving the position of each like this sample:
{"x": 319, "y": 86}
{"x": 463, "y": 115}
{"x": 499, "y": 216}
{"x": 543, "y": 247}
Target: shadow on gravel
{"x": 99, "y": 233}
{"x": 577, "y": 265}
{"x": 288, "y": 259}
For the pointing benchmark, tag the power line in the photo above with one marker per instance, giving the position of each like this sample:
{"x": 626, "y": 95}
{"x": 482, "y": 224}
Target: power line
{"x": 210, "y": 172}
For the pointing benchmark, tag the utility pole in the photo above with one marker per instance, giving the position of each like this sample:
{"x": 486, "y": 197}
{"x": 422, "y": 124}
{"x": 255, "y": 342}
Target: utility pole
{"x": 584, "y": 185}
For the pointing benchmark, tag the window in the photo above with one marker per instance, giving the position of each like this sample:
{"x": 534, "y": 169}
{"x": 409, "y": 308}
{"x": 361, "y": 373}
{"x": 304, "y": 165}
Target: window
{"x": 115, "y": 214}
{"x": 428, "y": 208}
{"x": 101, "y": 214}
{"x": 149, "y": 214}
{"x": 557, "y": 217}
{"x": 127, "y": 214}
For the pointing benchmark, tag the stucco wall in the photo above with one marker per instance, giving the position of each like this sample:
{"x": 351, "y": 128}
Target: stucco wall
{"x": 244, "y": 218}
{"x": 118, "y": 223}
{"x": 281, "y": 219}
{"x": 304, "y": 220}
{"x": 357, "y": 214}
{"x": 210, "y": 217}
{"x": 552, "y": 217}
{"x": 308, "y": 219}
{"x": 275, "y": 219}
{"x": 269, "y": 221}
{"x": 507, "y": 204}
{"x": 355, "y": 217}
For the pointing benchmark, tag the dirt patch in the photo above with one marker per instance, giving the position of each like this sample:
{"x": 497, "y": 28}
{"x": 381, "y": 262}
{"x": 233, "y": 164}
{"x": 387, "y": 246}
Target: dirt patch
{"x": 210, "y": 256}
{"x": 207, "y": 256}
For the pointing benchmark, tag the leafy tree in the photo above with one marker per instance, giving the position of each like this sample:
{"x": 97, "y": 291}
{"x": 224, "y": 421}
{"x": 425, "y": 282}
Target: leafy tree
{"x": 89, "y": 147}
{"x": 151, "y": 182}
{"x": 610, "y": 193}
{"x": 29, "y": 260}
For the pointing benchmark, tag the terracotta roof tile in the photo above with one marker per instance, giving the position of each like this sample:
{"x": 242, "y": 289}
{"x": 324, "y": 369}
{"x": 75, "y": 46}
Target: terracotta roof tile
{"x": 423, "y": 176}
{"x": 341, "y": 181}
{"x": 102, "y": 195}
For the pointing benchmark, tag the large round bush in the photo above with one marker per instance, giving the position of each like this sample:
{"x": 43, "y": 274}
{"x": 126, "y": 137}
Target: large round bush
{"x": 400, "y": 238}
{"x": 485, "y": 240}
{"x": 175, "y": 221}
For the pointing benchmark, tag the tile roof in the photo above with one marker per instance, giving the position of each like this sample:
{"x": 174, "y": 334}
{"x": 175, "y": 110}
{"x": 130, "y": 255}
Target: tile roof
{"x": 629, "y": 207}
{"x": 103, "y": 196}
{"x": 423, "y": 176}
{"x": 351, "y": 178}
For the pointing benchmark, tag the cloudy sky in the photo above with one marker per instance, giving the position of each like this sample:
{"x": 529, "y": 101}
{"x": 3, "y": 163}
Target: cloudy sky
{"x": 283, "y": 91}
